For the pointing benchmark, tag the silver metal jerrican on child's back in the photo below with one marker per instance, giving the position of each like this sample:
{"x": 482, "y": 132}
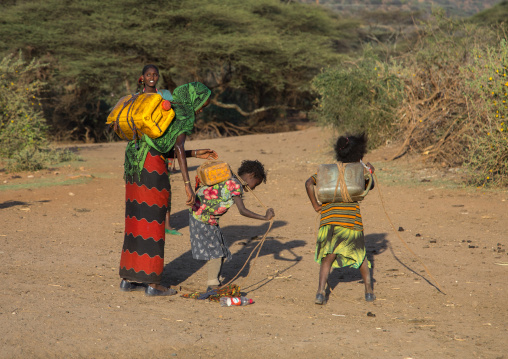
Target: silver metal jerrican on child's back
{"x": 328, "y": 187}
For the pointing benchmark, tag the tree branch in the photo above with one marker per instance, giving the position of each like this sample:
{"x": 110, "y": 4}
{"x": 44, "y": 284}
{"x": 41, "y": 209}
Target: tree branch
{"x": 242, "y": 112}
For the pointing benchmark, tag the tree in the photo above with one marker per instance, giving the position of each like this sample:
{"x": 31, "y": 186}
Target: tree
{"x": 252, "y": 53}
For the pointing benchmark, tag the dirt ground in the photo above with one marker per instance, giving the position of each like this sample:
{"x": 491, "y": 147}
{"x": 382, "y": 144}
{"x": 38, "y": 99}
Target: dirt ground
{"x": 62, "y": 231}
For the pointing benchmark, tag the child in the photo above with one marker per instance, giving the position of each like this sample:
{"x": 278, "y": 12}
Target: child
{"x": 340, "y": 241}
{"x": 207, "y": 241}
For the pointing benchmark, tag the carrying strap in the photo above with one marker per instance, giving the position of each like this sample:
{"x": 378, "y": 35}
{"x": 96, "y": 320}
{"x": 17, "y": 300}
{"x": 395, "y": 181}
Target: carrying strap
{"x": 117, "y": 126}
{"x": 341, "y": 181}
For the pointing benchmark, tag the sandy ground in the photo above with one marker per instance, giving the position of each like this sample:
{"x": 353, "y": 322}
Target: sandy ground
{"x": 62, "y": 231}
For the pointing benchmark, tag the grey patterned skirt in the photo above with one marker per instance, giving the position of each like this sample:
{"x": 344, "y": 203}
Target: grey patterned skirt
{"x": 207, "y": 241}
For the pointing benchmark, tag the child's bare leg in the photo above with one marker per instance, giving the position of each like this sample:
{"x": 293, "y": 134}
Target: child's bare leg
{"x": 367, "y": 280}
{"x": 168, "y": 216}
{"x": 365, "y": 272}
{"x": 324, "y": 271}
{"x": 214, "y": 267}
{"x": 167, "y": 223}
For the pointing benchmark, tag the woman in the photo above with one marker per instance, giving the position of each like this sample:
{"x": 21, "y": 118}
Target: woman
{"x": 147, "y": 187}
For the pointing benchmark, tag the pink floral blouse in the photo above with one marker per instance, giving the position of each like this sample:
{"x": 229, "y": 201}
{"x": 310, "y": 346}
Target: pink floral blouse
{"x": 213, "y": 201}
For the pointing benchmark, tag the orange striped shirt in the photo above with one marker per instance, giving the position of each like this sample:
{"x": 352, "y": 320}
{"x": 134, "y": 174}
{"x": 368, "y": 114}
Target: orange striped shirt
{"x": 341, "y": 214}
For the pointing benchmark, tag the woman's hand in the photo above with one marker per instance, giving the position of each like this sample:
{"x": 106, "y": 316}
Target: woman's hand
{"x": 318, "y": 208}
{"x": 190, "y": 195}
{"x": 270, "y": 213}
{"x": 206, "y": 154}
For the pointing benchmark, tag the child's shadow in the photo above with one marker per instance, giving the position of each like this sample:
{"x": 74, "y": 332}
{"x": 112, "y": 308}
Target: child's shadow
{"x": 184, "y": 266}
{"x": 375, "y": 244}
{"x": 281, "y": 250}
{"x": 180, "y": 219}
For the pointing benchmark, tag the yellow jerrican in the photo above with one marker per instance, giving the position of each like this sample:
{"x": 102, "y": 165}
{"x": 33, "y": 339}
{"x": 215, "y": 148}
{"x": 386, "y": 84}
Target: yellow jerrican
{"x": 139, "y": 114}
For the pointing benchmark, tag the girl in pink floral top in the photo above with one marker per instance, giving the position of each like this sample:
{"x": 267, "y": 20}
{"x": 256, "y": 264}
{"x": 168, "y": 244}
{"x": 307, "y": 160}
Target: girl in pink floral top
{"x": 212, "y": 202}
{"x": 207, "y": 241}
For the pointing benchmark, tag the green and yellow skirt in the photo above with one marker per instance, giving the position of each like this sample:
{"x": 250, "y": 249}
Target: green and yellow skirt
{"x": 347, "y": 244}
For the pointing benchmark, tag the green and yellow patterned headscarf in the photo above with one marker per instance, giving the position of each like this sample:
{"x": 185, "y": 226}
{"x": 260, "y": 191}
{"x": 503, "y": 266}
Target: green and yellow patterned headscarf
{"x": 187, "y": 99}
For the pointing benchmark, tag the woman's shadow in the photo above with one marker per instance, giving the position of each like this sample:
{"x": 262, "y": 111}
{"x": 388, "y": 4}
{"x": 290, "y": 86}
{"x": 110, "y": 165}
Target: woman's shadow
{"x": 375, "y": 243}
{"x": 248, "y": 237}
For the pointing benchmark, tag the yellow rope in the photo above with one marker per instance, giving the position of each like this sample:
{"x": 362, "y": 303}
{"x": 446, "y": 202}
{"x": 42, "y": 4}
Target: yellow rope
{"x": 393, "y": 227}
{"x": 341, "y": 181}
{"x": 259, "y": 245}
{"x": 403, "y": 242}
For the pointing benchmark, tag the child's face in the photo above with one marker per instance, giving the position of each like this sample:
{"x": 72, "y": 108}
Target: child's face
{"x": 252, "y": 181}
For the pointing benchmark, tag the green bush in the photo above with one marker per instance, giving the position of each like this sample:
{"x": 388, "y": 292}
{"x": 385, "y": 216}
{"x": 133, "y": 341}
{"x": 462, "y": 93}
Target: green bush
{"x": 487, "y": 85}
{"x": 23, "y": 130}
{"x": 359, "y": 96}
{"x": 445, "y": 99}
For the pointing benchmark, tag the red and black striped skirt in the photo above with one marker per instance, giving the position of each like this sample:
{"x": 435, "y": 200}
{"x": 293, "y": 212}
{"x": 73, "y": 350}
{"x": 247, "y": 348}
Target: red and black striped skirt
{"x": 146, "y": 199}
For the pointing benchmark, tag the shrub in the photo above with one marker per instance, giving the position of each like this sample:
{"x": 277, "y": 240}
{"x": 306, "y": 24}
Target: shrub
{"x": 23, "y": 130}
{"x": 359, "y": 96}
{"x": 445, "y": 99}
{"x": 487, "y": 85}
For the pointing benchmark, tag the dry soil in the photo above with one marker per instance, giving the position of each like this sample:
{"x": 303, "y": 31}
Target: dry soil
{"x": 62, "y": 231}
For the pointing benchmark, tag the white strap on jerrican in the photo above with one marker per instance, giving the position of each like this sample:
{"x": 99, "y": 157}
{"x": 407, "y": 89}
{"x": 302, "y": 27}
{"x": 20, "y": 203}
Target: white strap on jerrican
{"x": 366, "y": 167}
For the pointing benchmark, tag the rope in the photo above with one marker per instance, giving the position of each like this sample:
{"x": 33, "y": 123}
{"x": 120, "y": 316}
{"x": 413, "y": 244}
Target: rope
{"x": 403, "y": 242}
{"x": 259, "y": 245}
{"x": 341, "y": 181}
{"x": 393, "y": 227}
{"x": 117, "y": 126}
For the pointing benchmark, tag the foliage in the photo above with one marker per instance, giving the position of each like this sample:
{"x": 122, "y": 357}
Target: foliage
{"x": 445, "y": 116}
{"x": 360, "y": 96}
{"x": 487, "y": 85}
{"x": 498, "y": 14}
{"x": 257, "y": 53}
{"x": 23, "y": 129}
{"x": 453, "y": 8}
{"x": 446, "y": 100}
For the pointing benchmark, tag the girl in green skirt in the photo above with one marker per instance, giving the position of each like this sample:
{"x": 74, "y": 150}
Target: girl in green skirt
{"x": 340, "y": 240}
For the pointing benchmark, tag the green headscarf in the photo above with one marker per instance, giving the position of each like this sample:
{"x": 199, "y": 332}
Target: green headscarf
{"x": 187, "y": 99}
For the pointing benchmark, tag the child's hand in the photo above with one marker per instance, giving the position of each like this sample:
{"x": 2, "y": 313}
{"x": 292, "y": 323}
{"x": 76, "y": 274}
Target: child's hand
{"x": 317, "y": 208}
{"x": 370, "y": 167}
{"x": 270, "y": 213}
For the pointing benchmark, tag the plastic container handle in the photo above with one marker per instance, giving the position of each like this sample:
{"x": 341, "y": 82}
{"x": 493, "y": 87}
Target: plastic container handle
{"x": 368, "y": 184}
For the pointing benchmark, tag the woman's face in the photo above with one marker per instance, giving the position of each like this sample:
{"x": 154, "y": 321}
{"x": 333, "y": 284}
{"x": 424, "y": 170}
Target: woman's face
{"x": 199, "y": 110}
{"x": 150, "y": 78}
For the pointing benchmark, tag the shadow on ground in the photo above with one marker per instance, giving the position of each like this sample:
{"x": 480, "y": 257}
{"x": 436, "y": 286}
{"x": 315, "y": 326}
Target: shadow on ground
{"x": 248, "y": 237}
{"x": 375, "y": 243}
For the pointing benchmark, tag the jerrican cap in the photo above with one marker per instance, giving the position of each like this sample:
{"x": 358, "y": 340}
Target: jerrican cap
{"x": 166, "y": 105}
